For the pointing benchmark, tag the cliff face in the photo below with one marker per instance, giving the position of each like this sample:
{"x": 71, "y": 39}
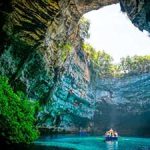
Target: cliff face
{"x": 72, "y": 104}
{"x": 35, "y": 57}
{"x": 123, "y": 104}
{"x": 138, "y": 12}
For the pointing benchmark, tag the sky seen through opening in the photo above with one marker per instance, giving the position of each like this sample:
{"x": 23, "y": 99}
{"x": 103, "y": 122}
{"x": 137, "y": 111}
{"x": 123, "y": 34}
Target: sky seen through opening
{"x": 112, "y": 31}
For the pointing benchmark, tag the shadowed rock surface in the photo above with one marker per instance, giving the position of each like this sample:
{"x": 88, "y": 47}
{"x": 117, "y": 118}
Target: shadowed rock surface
{"x": 138, "y": 12}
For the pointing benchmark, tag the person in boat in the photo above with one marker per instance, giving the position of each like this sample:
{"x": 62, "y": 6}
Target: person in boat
{"x": 115, "y": 134}
{"x": 111, "y": 130}
{"x": 111, "y": 133}
{"x": 108, "y": 134}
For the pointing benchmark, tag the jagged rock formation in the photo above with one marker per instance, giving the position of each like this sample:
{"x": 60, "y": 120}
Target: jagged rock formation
{"x": 32, "y": 56}
{"x": 138, "y": 11}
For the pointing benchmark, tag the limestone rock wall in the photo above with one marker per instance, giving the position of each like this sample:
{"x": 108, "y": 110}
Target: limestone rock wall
{"x": 70, "y": 97}
{"x": 138, "y": 12}
{"x": 123, "y": 104}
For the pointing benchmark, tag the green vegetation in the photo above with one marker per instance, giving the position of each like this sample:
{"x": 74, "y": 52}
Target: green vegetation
{"x": 103, "y": 63}
{"x": 17, "y": 116}
{"x": 135, "y": 64}
{"x": 65, "y": 51}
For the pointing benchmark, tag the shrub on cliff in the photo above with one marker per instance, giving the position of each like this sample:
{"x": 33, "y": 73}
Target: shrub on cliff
{"x": 102, "y": 62}
{"x": 17, "y": 116}
{"x": 135, "y": 64}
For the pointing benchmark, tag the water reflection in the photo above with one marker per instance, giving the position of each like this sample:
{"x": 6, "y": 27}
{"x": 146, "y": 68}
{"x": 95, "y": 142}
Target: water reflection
{"x": 112, "y": 145}
{"x": 75, "y": 142}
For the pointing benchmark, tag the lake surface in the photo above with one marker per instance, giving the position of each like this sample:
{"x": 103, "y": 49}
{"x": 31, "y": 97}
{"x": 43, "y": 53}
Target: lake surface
{"x": 71, "y": 142}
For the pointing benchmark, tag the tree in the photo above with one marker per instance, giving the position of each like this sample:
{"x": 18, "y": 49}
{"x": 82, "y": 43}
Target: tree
{"x": 135, "y": 65}
{"x": 17, "y": 116}
{"x": 102, "y": 62}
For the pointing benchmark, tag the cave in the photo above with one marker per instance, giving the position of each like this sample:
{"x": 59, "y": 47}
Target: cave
{"x": 41, "y": 53}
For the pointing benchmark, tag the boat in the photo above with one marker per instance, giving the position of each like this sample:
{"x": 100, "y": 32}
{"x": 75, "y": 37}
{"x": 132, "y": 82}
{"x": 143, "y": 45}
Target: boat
{"x": 111, "y": 135}
{"x": 111, "y": 138}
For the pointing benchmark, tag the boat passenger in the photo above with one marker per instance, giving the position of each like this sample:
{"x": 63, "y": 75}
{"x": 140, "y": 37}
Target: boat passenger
{"x": 115, "y": 134}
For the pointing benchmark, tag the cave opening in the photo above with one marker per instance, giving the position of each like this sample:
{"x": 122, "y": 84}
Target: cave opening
{"x": 112, "y": 31}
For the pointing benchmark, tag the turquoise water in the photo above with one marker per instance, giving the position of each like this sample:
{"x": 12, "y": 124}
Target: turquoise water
{"x": 93, "y": 143}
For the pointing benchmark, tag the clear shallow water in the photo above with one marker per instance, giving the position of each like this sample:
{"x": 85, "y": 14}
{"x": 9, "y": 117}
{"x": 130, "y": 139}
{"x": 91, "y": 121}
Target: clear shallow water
{"x": 92, "y": 143}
